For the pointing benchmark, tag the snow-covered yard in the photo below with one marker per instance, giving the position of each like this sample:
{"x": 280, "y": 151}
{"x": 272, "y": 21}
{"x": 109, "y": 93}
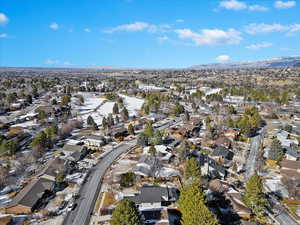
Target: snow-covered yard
{"x": 133, "y": 104}
{"x": 26, "y": 124}
{"x": 90, "y": 103}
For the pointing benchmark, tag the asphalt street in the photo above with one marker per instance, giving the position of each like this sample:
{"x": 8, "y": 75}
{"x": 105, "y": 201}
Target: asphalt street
{"x": 89, "y": 191}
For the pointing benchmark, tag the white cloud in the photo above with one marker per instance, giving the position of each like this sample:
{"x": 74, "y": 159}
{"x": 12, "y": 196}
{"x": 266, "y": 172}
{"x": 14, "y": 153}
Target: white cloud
{"x": 233, "y": 5}
{"x": 137, "y": 26}
{"x": 4, "y": 35}
{"x": 211, "y": 36}
{"x": 269, "y": 28}
{"x": 68, "y": 63}
{"x": 3, "y": 19}
{"x": 294, "y": 28}
{"x": 285, "y": 49}
{"x": 87, "y": 30}
{"x": 54, "y": 26}
{"x": 163, "y": 38}
{"x": 51, "y": 62}
{"x": 223, "y": 58}
{"x": 257, "y": 8}
{"x": 239, "y": 5}
{"x": 284, "y": 4}
{"x": 259, "y": 46}
{"x": 264, "y": 28}
{"x": 179, "y": 21}
{"x": 140, "y": 26}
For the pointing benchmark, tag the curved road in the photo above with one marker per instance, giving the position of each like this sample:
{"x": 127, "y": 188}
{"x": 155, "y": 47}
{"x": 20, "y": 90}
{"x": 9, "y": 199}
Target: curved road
{"x": 89, "y": 191}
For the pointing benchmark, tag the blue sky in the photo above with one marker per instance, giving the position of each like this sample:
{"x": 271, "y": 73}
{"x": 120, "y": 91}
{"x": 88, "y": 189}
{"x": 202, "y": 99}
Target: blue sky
{"x": 145, "y": 33}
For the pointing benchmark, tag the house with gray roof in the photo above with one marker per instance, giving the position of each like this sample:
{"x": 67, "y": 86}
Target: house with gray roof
{"x": 30, "y": 196}
{"x": 155, "y": 196}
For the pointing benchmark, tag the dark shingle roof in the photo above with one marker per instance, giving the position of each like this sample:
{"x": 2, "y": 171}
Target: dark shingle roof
{"x": 29, "y": 195}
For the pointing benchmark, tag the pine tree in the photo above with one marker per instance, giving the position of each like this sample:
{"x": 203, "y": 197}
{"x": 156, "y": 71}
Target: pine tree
{"x": 276, "y": 151}
{"x": 130, "y": 129}
{"x": 186, "y": 115}
{"x": 125, "y": 115}
{"x": 54, "y": 129}
{"x": 152, "y": 150}
{"x": 192, "y": 170}
{"x": 115, "y": 109}
{"x": 254, "y": 197}
{"x": 230, "y": 123}
{"x": 192, "y": 206}
{"x": 104, "y": 123}
{"x": 156, "y": 139}
{"x": 90, "y": 120}
{"x": 142, "y": 139}
{"x": 183, "y": 150}
{"x": 126, "y": 213}
{"x": 149, "y": 131}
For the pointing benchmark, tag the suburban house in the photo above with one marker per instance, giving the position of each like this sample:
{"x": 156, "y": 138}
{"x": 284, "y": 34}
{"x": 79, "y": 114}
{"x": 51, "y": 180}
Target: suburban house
{"x": 223, "y": 142}
{"x": 94, "y": 140}
{"x": 210, "y": 167}
{"x": 155, "y": 196}
{"x": 221, "y": 153}
{"x": 119, "y": 132}
{"x": 53, "y": 168}
{"x": 292, "y": 154}
{"x": 160, "y": 216}
{"x": 236, "y": 201}
{"x": 29, "y": 198}
{"x": 232, "y": 134}
{"x": 290, "y": 165}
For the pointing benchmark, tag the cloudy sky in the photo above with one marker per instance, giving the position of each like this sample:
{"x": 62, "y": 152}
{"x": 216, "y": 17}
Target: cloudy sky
{"x": 145, "y": 33}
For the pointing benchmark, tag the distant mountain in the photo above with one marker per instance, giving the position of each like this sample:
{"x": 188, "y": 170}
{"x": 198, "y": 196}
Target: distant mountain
{"x": 293, "y": 61}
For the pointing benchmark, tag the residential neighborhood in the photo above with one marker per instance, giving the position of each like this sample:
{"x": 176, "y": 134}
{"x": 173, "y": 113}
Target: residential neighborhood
{"x": 86, "y": 147}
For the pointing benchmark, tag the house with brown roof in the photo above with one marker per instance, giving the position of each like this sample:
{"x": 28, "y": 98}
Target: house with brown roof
{"x": 30, "y": 196}
{"x": 290, "y": 165}
{"x": 223, "y": 141}
{"x": 236, "y": 201}
{"x": 53, "y": 168}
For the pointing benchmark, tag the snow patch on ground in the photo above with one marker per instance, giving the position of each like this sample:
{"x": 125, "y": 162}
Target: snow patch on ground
{"x": 133, "y": 104}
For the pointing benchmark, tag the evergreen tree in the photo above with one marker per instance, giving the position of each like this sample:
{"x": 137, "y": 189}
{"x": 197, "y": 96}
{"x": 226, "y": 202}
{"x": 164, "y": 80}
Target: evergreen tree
{"x": 117, "y": 119}
{"x": 230, "y": 123}
{"x": 192, "y": 206}
{"x": 40, "y": 139}
{"x": 149, "y": 131}
{"x": 29, "y": 99}
{"x": 115, "y": 109}
{"x": 142, "y": 139}
{"x": 124, "y": 114}
{"x": 186, "y": 115}
{"x": 130, "y": 129}
{"x": 54, "y": 129}
{"x": 152, "y": 151}
{"x": 104, "y": 123}
{"x": 65, "y": 100}
{"x": 42, "y": 115}
{"x": 157, "y": 138}
{"x": 192, "y": 170}
{"x": 254, "y": 197}
{"x": 90, "y": 121}
{"x": 276, "y": 150}
{"x": 126, "y": 213}
{"x": 183, "y": 150}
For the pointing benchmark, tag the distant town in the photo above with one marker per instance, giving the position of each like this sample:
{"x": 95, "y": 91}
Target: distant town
{"x": 152, "y": 147}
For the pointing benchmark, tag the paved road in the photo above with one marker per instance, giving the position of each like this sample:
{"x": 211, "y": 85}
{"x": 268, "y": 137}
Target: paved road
{"x": 282, "y": 217}
{"x": 251, "y": 161}
{"x": 251, "y": 164}
{"x": 89, "y": 191}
